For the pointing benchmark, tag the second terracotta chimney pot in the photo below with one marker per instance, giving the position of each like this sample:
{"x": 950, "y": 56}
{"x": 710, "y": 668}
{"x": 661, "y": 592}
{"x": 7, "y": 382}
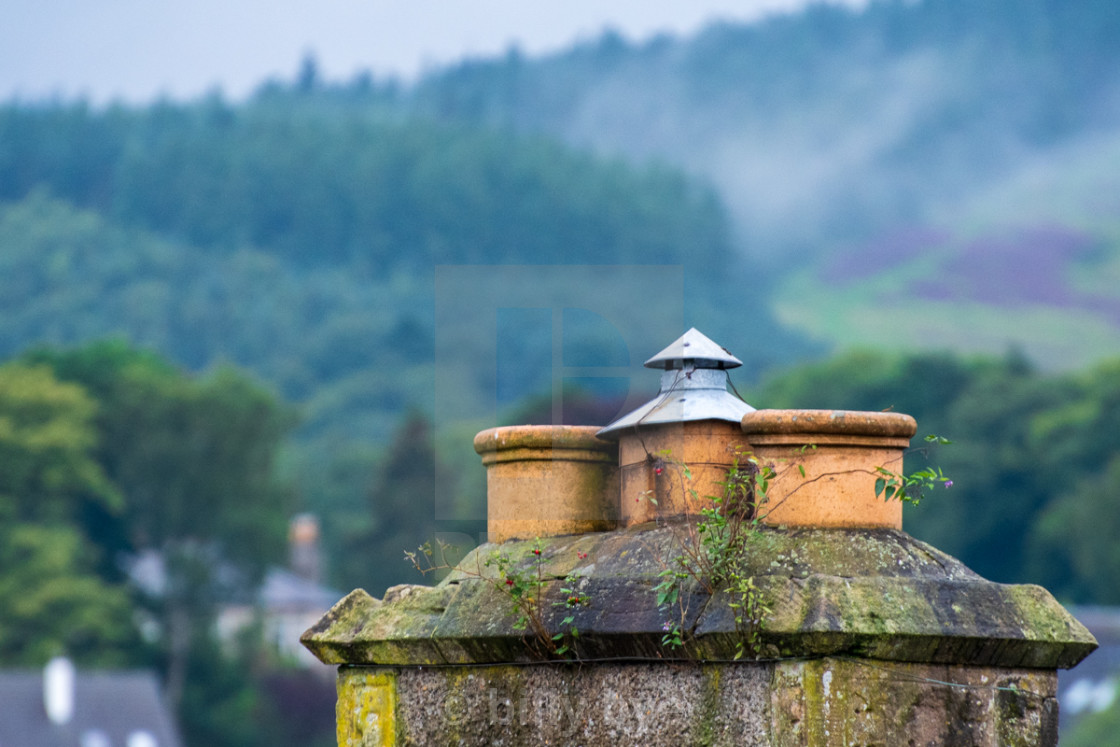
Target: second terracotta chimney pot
{"x": 840, "y": 452}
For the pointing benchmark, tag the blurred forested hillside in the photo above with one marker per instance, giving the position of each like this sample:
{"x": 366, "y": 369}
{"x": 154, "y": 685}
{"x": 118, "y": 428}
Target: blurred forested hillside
{"x": 956, "y": 160}
{"x": 941, "y": 174}
{"x": 299, "y": 239}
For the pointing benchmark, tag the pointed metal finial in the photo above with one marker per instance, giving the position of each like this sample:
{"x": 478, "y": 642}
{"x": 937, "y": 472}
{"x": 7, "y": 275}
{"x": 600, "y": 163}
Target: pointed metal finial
{"x": 697, "y": 349}
{"x": 693, "y": 386}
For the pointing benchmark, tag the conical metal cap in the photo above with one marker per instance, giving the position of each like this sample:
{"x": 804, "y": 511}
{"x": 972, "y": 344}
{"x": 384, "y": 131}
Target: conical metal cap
{"x": 697, "y": 349}
{"x": 693, "y": 387}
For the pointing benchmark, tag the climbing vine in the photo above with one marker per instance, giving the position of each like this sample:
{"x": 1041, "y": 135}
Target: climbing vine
{"x": 712, "y": 552}
{"x": 912, "y": 487}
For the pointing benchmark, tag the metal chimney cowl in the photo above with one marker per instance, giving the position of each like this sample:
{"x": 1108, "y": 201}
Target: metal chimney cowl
{"x": 693, "y": 420}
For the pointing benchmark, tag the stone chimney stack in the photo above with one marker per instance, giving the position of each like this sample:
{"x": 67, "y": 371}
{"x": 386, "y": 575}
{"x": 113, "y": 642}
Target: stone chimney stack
{"x": 641, "y": 602}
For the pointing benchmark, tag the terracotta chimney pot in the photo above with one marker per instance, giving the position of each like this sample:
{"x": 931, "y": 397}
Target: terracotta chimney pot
{"x": 653, "y": 487}
{"x": 839, "y": 451}
{"x": 546, "y": 480}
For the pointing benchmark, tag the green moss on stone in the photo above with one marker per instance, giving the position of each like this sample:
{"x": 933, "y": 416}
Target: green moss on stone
{"x": 872, "y": 593}
{"x": 709, "y": 707}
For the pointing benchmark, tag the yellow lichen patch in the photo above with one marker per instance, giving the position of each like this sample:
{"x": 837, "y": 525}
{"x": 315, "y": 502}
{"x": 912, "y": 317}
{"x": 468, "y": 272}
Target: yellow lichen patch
{"x": 367, "y": 708}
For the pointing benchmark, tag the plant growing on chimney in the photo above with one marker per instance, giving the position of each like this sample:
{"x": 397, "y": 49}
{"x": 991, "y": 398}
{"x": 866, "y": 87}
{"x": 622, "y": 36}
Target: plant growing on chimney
{"x": 524, "y": 585}
{"x": 912, "y": 487}
{"x": 711, "y": 555}
{"x": 712, "y": 550}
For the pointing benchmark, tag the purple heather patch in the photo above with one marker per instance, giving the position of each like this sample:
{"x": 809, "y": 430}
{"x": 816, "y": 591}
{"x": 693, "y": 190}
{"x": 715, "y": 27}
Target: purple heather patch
{"x": 882, "y": 253}
{"x": 1028, "y": 267}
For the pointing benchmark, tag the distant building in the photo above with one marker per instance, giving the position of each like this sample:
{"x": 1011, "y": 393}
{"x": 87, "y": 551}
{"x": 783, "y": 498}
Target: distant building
{"x": 63, "y": 707}
{"x": 289, "y": 601}
{"x": 287, "y": 605}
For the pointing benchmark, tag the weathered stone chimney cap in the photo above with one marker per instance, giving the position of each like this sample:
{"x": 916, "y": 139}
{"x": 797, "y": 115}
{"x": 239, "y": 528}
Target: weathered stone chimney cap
{"x": 868, "y": 593}
{"x": 696, "y": 349}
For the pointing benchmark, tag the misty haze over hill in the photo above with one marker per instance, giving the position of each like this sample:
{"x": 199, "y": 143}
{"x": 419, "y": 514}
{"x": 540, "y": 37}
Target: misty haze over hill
{"x": 833, "y": 124}
{"x": 896, "y": 142}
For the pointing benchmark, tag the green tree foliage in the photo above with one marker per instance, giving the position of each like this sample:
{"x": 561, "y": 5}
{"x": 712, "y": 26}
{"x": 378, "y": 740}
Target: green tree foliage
{"x": 1072, "y": 544}
{"x": 297, "y": 237}
{"x": 1077, "y": 441}
{"x": 193, "y": 457}
{"x": 856, "y": 120}
{"x": 55, "y": 603}
{"x": 1082, "y": 432}
{"x": 379, "y": 195}
{"x": 47, "y": 440}
{"x": 315, "y": 187}
{"x": 70, "y": 275}
{"x": 51, "y": 486}
{"x": 235, "y": 699}
{"x": 991, "y": 424}
{"x": 84, "y": 145}
{"x": 1094, "y": 729}
{"x": 192, "y": 461}
{"x": 921, "y": 384}
{"x": 219, "y": 699}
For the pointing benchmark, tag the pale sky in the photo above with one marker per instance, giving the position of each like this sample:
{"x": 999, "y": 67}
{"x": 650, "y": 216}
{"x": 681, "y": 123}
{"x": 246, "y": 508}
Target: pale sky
{"x": 137, "y": 50}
